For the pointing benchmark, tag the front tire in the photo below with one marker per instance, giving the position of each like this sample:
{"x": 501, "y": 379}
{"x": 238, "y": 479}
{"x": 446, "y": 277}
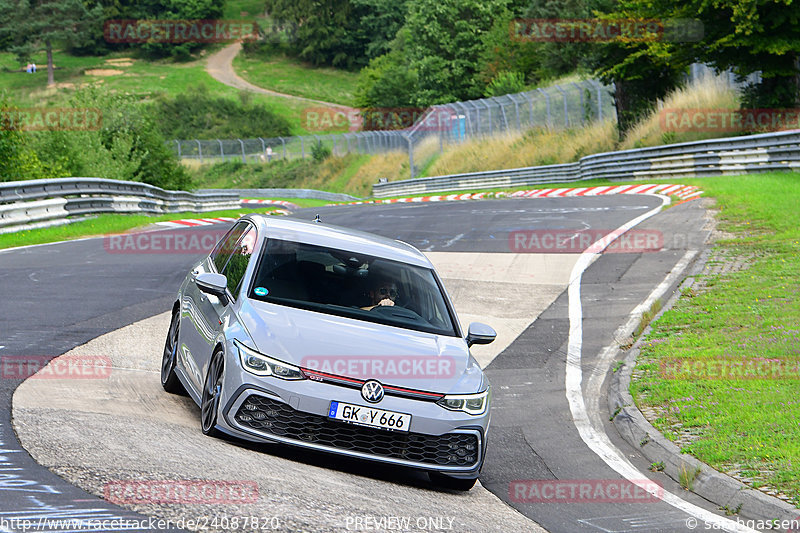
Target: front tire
{"x": 169, "y": 380}
{"x": 212, "y": 390}
{"x": 452, "y": 483}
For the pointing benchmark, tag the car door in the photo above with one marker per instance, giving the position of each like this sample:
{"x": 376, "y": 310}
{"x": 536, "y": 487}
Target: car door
{"x": 200, "y": 311}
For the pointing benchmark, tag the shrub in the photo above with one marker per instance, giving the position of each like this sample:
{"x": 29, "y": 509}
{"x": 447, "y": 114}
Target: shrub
{"x": 196, "y": 114}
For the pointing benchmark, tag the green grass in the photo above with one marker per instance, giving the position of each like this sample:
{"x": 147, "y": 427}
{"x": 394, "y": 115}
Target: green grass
{"x": 749, "y": 425}
{"x": 252, "y": 10}
{"x": 286, "y": 75}
{"x": 144, "y": 78}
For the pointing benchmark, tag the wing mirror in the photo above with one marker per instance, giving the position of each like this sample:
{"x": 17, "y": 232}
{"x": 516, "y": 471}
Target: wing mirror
{"x": 215, "y": 285}
{"x": 480, "y": 334}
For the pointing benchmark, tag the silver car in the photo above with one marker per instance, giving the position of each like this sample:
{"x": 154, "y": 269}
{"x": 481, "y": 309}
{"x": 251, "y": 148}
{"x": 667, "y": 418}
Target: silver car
{"x": 334, "y": 340}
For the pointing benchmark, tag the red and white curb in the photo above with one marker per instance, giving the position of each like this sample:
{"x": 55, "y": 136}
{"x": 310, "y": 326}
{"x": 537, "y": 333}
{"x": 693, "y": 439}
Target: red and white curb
{"x": 684, "y": 192}
{"x": 284, "y": 203}
{"x": 191, "y": 222}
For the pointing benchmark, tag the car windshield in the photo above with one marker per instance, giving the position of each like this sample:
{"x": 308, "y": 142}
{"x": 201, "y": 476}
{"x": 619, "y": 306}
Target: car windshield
{"x": 353, "y": 285}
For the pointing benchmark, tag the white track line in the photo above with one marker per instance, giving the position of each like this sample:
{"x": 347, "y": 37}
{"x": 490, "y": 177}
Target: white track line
{"x": 596, "y": 439}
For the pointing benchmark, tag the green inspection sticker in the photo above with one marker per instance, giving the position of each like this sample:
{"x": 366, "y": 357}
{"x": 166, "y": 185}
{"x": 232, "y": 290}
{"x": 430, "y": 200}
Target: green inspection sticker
{"x": 261, "y": 291}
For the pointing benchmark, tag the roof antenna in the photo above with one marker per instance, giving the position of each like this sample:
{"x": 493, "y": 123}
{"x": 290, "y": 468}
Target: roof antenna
{"x": 317, "y": 219}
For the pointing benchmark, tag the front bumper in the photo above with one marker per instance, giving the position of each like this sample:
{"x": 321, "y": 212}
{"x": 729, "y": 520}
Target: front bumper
{"x": 295, "y": 413}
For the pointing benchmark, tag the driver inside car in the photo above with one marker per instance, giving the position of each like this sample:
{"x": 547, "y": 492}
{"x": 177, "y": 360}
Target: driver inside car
{"x": 383, "y": 292}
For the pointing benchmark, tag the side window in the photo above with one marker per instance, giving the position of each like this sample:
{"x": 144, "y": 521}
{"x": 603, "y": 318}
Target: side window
{"x": 227, "y": 245}
{"x": 239, "y": 258}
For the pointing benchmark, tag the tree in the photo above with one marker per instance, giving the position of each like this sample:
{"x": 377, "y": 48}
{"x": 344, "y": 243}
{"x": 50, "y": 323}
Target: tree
{"x": 435, "y": 57}
{"x": 749, "y": 36}
{"x": 40, "y": 24}
{"x": 444, "y": 44}
{"x": 344, "y": 33}
{"x": 643, "y": 69}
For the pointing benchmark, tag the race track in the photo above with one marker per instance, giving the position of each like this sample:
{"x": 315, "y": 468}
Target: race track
{"x": 91, "y": 432}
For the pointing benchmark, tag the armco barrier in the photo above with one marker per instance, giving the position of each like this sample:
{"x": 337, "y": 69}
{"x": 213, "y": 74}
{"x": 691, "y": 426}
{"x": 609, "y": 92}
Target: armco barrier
{"x": 735, "y": 155}
{"x": 38, "y": 201}
{"x": 286, "y": 193}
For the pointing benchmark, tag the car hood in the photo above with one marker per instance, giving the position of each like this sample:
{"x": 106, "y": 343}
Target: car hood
{"x": 362, "y": 350}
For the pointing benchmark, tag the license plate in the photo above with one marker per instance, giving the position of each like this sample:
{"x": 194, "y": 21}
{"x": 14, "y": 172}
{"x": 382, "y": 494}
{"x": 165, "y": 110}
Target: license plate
{"x": 369, "y": 416}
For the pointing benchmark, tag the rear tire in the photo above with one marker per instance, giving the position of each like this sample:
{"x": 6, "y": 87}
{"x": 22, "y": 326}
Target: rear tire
{"x": 452, "y": 483}
{"x": 212, "y": 390}
{"x": 169, "y": 380}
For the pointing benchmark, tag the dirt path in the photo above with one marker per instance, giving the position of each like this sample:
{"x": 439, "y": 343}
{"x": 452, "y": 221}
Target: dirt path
{"x": 220, "y": 67}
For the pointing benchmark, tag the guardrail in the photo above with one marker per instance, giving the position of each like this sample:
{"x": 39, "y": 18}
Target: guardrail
{"x": 287, "y": 193}
{"x": 735, "y": 155}
{"x": 27, "y": 203}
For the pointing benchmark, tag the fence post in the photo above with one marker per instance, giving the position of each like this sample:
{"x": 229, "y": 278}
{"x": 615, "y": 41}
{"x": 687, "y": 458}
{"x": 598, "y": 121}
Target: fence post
{"x": 599, "y": 102}
{"x": 263, "y": 147}
{"x": 547, "y": 105}
{"x": 530, "y": 107}
{"x": 410, "y": 156}
{"x": 302, "y": 148}
{"x": 489, "y": 109}
{"x": 566, "y": 106}
{"x": 516, "y": 110}
{"x": 221, "y": 150}
{"x": 179, "y": 149}
{"x": 199, "y": 150}
{"x": 244, "y": 158}
{"x": 580, "y": 95}
{"x": 503, "y": 111}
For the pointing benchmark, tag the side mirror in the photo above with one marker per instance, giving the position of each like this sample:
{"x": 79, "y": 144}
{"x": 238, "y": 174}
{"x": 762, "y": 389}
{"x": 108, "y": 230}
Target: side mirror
{"x": 215, "y": 285}
{"x": 480, "y": 334}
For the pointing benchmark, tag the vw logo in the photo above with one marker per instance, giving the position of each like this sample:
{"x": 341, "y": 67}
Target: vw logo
{"x": 372, "y": 391}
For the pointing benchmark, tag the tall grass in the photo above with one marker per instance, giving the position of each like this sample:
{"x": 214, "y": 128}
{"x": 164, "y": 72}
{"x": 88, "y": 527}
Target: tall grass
{"x": 710, "y": 93}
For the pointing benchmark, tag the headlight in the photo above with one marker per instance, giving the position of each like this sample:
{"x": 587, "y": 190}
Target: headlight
{"x": 473, "y": 404}
{"x": 261, "y": 365}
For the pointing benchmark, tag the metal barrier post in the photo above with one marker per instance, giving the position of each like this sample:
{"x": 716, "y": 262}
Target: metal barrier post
{"x": 199, "y": 150}
{"x": 244, "y": 158}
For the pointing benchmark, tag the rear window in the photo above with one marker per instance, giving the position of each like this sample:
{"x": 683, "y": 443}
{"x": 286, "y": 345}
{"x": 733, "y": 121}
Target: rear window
{"x": 353, "y": 285}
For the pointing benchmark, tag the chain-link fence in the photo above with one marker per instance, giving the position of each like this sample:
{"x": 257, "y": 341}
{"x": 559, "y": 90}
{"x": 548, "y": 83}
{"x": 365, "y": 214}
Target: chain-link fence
{"x": 558, "y": 106}
{"x": 555, "y": 107}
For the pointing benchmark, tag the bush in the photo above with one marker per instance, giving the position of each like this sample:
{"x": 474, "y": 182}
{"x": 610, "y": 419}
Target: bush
{"x": 196, "y": 114}
{"x": 128, "y": 145}
{"x": 320, "y": 152}
{"x": 505, "y": 83}
{"x": 278, "y": 174}
{"x": 17, "y": 160}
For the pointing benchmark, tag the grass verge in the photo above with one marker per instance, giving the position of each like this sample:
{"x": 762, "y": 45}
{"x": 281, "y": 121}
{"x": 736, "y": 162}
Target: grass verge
{"x": 117, "y": 223}
{"x": 721, "y": 368}
{"x": 279, "y": 73}
{"x": 141, "y": 77}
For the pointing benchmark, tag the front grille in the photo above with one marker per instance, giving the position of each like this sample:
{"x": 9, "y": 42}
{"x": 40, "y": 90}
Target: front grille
{"x": 269, "y": 416}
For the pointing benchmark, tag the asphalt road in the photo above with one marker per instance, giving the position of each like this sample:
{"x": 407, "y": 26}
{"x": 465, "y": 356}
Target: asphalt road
{"x": 59, "y": 296}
